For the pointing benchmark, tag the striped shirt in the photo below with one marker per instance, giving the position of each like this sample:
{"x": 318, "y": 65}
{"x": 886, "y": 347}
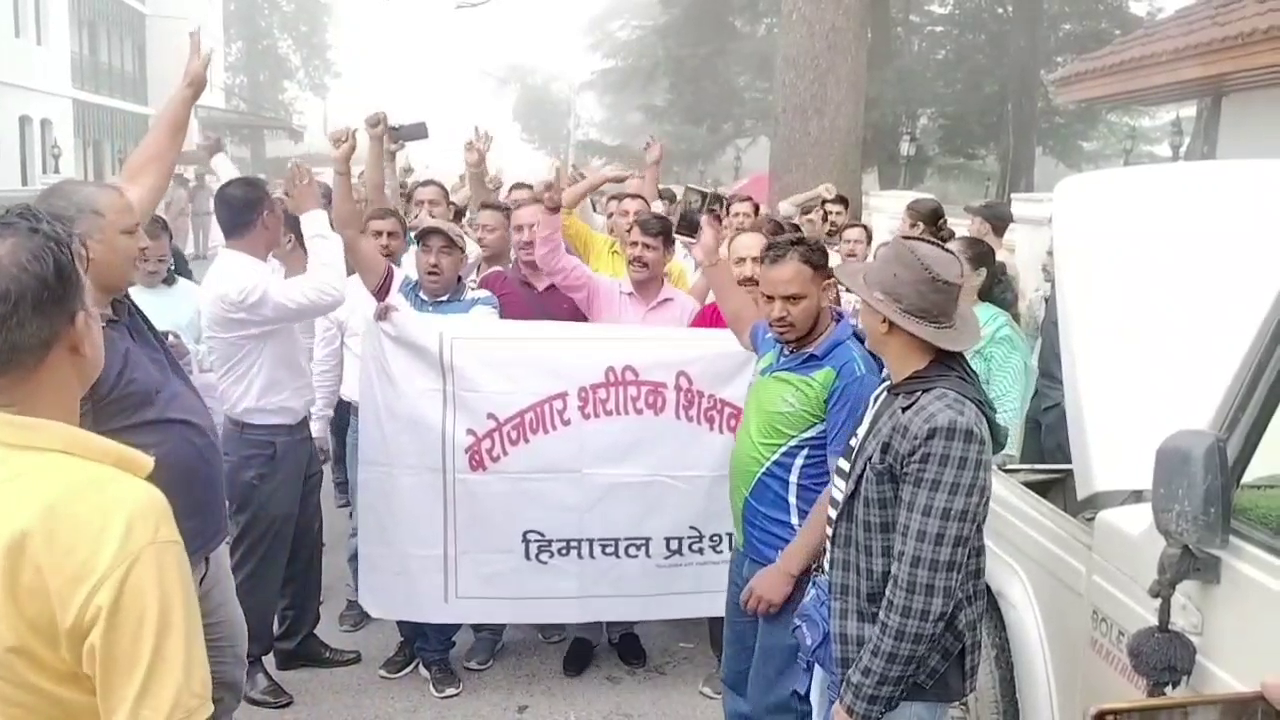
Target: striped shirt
{"x": 840, "y": 477}
{"x": 462, "y": 300}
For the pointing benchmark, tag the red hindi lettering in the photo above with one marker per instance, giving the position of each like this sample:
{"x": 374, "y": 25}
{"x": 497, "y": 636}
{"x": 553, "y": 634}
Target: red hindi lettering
{"x": 688, "y": 399}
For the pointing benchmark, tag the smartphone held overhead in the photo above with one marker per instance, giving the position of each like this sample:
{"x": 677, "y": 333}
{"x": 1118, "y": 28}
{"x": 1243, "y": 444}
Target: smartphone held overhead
{"x": 411, "y": 132}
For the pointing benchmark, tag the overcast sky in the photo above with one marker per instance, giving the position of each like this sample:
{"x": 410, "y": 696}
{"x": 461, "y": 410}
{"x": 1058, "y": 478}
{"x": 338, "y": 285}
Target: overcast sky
{"x": 452, "y": 89}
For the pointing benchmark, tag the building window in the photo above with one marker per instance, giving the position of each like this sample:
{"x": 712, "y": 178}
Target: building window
{"x": 17, "y": 18}
{"x": 37, "y": 17}
{"x": 27, "y": 149}
{"x": 46, "y": 146}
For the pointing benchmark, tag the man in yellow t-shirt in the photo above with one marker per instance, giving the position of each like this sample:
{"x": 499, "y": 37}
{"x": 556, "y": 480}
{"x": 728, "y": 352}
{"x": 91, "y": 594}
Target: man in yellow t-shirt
{"x": 602, "y": 252}
{"x": 100, "y": 618}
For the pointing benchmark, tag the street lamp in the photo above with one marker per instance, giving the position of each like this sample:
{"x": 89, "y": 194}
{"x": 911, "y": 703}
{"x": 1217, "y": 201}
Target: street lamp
{"x": 55, "y": 152}
{"x": 1176, "y": 137}
{"x": 737, "y": 163}
{"x": 907, "y": 147}
{"x": 1130, "y": 141}
{"x": 986, "y": 189}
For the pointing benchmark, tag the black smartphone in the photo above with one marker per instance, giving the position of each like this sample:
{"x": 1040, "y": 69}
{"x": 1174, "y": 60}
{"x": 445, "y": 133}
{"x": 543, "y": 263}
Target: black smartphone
{"x": 688, "y": 222}
{"x": 411, "y": 132}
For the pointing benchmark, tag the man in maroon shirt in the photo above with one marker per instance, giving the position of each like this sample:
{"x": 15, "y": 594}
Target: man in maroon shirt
{"x": 523, "y": 294}
{"x": 744, "y": 248}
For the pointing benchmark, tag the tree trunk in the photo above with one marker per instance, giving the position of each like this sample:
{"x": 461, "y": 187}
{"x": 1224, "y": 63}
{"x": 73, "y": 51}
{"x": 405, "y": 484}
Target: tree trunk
{"x": 1024, "y": 97}
{"x": 820, "y": 93}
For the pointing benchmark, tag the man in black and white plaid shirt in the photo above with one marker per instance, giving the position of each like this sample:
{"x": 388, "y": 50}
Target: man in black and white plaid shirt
{"x": 910, "y": 495}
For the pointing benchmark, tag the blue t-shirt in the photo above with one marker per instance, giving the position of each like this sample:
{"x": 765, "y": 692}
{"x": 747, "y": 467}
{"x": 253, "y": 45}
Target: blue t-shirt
{"x": 801, "y": 410}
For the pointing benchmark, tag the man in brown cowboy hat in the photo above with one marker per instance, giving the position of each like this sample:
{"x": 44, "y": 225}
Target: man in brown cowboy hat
{"x": 906, "y": 549}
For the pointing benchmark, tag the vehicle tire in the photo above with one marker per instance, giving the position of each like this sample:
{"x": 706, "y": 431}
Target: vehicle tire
{"x": 996, "y": 697}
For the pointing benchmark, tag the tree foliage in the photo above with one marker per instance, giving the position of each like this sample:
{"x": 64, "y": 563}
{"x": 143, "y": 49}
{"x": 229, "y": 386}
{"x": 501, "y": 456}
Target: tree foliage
{"x": 275, "y": 49}
{"x": 701, "y": 75}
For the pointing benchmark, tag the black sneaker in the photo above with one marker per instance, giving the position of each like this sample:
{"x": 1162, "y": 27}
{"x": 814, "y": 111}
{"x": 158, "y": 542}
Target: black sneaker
{"x": 578, "y": 657}
{"x": 442, "y": 678}
{"x": 352, "y": 618}
{"x": 630, "y": 650}
{"x": 399, "y": 663}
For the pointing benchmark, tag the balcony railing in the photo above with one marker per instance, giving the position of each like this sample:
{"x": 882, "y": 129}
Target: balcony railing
{"x": 101, "y": 78}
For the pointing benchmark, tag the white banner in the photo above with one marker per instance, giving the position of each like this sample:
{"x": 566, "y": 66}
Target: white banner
{"x": 528, "y": 472}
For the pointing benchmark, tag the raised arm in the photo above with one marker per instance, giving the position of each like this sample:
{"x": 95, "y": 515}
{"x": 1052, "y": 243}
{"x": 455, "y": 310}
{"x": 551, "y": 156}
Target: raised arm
{"x": 652, "y": 170}
{"x": 581, "y": 190}
{"x": 375, "y": 171}
{"x": 476, "y": 157}
{"x": 148, "y": 170}
{"x": 320, "y": 288}
{"x": 223, "y": 170}
{"x": 391, "y": 186}
{"x": 565, "y": 271}
{"x": 740, "y": 312}
{"x": 790, "y": 208}
{"x": 361, "y": 252}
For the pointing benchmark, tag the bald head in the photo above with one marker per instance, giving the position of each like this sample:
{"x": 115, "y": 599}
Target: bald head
{"x": 102, "y": 216}
{"x": 75, "y": 202}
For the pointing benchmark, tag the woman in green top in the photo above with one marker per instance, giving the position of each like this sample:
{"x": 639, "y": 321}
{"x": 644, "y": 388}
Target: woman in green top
{"x": 1002, "y": 357}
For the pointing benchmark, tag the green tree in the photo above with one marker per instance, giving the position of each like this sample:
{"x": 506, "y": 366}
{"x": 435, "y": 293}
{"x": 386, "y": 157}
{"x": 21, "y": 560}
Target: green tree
{"x": 543, "y": 108}
{"x": 697, "y": 74}
{"x": 972, "y": 42}
{"x": 274, "y": 50}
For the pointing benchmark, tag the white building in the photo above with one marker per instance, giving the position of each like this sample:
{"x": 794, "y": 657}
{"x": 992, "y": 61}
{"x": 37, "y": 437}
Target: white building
{"x": 80, "y": 79}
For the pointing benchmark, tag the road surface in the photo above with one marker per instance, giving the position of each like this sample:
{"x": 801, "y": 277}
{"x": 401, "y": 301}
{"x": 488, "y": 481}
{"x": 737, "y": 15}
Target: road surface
{"x": 526, "y": 683}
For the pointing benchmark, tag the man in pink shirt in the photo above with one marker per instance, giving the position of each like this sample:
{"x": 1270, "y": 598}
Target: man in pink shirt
{"x": 744, "y": 248}
{"x": 644, "y": 298}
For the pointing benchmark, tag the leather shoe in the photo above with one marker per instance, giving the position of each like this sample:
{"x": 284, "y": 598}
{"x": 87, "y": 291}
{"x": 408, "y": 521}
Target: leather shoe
{"x": 261, "y": 690}
{"x": 315, "y": 653}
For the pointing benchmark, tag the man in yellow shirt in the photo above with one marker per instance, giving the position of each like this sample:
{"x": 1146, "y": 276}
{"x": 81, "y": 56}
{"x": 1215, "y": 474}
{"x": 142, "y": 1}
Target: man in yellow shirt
{"x": 603, "y": 252}
{"x": 100, "y": 618}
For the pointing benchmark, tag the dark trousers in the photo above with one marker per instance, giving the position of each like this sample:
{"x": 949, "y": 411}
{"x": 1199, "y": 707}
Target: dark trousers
{"x": 715, "y": 634}
{"x": 338, "y": 443}
{"x": 273, "y": 477}
{"x": 1045, "y": 440}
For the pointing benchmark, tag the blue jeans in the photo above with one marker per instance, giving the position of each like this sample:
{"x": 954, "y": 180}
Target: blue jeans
{"x": 431, "y": 642}
{"x": 822, "y": 693}
{"x": 759, "y": 668}
{"x": 353, "y": 535}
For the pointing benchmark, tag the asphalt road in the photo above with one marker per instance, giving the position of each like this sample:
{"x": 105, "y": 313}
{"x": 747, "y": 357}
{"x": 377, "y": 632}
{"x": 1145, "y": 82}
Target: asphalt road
{"x": 525, "y": 684}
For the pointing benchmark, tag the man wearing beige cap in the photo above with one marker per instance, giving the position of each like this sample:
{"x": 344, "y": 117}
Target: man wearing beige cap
{"x": 909, "y": 497}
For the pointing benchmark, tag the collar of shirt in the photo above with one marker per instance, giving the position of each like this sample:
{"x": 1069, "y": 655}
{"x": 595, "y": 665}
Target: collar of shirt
{"x": 515, "y": 272}
{"x": 39, "y": 434}
{"x": 666, "y": 294}
{"x": 840, "y": 332}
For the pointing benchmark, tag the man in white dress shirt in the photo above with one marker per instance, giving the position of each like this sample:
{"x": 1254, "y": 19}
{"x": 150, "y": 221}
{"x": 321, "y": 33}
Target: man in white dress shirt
{"x": 273, "y": 468}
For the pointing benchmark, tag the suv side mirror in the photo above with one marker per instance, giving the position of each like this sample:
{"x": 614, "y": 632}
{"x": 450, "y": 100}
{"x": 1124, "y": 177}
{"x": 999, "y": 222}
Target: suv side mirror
{"x": 1191, "y": 498}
